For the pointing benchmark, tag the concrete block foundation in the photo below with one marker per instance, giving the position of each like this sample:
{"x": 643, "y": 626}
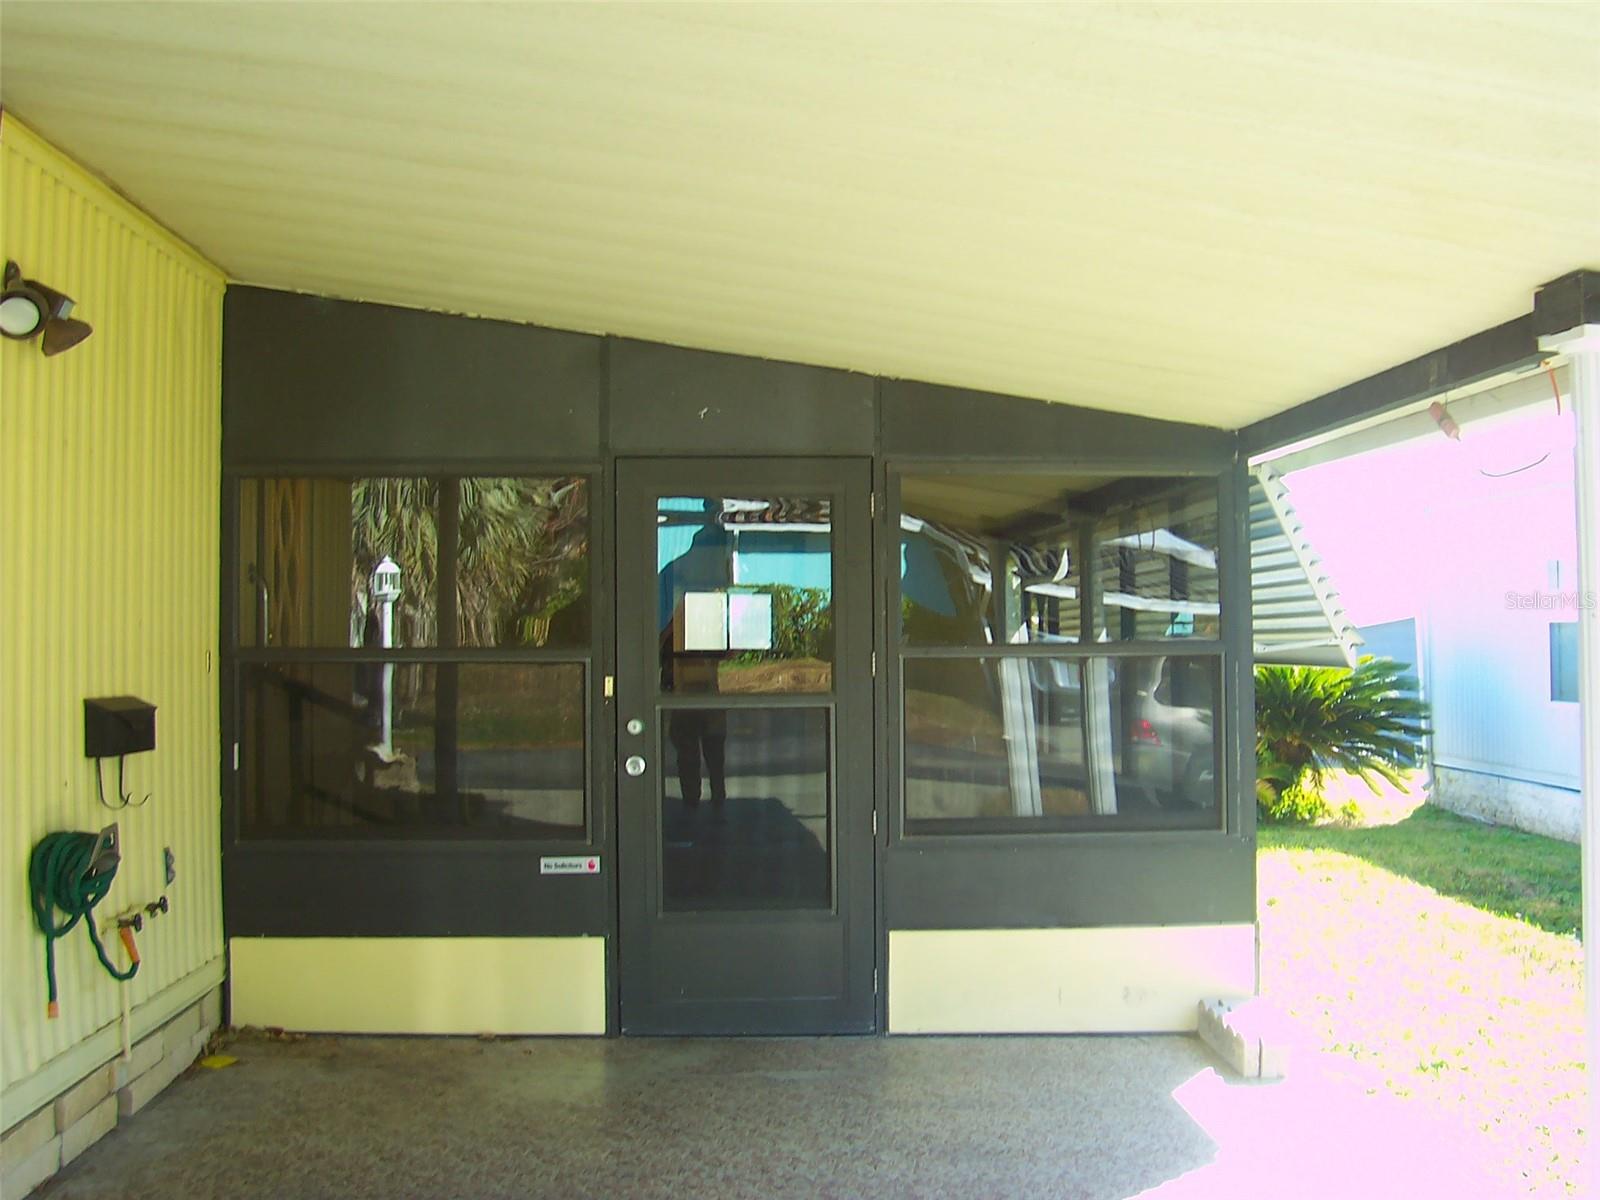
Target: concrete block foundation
{"x": 1516, "y": 803}
{"x": 1250, "y": 1037}
{"x": 47, "y": 1139}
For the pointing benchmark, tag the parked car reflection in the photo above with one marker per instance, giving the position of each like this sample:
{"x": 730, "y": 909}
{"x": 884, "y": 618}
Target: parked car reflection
{"x": 1007, "y": 738}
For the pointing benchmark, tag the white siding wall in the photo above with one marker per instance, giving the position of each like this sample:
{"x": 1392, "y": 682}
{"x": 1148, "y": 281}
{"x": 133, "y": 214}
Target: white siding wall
{"x": 1488, "y": 660}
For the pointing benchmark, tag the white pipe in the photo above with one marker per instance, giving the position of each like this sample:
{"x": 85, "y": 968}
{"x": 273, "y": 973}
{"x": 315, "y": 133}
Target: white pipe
{"x": 122, "y": 990}
{"x": 127, "y": 1022}
{"x": 1582, "y": 346}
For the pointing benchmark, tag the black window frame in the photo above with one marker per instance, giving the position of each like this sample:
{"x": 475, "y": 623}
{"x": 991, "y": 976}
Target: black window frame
{"x": 594, "y": 836}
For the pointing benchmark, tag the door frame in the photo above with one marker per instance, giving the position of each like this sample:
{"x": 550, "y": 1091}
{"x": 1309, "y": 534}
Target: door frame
{"x": 854, "y": 749}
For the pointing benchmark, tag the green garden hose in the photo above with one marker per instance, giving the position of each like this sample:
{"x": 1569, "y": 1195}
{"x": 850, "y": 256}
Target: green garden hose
{"x": 62, "y": 874}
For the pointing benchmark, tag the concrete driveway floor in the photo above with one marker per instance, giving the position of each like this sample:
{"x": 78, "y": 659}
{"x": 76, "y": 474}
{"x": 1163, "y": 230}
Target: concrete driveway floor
{"x": 1100, "y": 1117}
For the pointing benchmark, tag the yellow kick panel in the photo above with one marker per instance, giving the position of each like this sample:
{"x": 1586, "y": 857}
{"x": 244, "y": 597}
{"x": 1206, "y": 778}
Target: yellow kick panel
{"x": 109, "y": 483}
{"x": 421, "y": 985}
{"x": 1125, "y": 980}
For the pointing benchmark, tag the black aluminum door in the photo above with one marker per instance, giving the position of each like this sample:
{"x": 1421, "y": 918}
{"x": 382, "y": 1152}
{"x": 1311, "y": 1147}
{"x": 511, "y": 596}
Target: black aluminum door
{"x": 745, "y": 746}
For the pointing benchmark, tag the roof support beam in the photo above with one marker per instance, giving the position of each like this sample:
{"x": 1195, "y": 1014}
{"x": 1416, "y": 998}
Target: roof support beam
{"x": 1570, "y": 301}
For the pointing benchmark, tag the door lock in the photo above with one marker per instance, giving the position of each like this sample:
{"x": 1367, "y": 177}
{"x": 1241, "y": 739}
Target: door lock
{"x": 634, "y": 766}
{"x": 635, "y": 726}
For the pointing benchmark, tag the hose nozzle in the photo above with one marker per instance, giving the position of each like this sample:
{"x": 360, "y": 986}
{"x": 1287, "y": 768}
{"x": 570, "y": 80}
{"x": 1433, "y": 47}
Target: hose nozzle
{"x": 128, "y": 944}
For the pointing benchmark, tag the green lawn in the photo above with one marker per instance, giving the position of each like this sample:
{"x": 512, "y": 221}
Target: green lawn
{"x": 1434, "y": 959}
{"x": 1502, "y": 871}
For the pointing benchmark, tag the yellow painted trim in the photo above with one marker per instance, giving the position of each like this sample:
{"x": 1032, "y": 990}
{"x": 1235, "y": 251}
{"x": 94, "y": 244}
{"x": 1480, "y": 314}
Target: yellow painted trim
{"x": 74, "y": 175}
{"x": 1141, "y": 979}
{"x": 421, "y": 985}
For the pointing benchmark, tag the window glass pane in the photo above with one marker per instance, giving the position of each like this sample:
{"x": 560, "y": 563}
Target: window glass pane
{"x": 1153, "y": 542}
{"x": 413, "y": 750}
{"x": 745, "y": 599}
{"x": 945, "y": 586}
{"x": 522, "y": 564}
{"x": 356, "y": 562}
{"x": 307, "y": 551}
{"x": 1107, "y": 742}
{"x": 1156, "y": 559}
{"x": 745, "y": 809}
{"x": 955, "y": 527}
{"x": 1564, "y": 661}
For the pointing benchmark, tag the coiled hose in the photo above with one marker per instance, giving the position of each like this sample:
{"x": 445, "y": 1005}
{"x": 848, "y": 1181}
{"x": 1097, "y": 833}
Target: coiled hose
{"x": 59, "y": 876}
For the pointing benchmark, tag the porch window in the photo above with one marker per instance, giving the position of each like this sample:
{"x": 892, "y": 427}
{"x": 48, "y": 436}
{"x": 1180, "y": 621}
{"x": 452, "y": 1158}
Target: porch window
{"x": 1564, "y": 662}
{"x": 412, "y": 656}
{"x": 1060, "y": 659}
{"x": 472, "y": 562}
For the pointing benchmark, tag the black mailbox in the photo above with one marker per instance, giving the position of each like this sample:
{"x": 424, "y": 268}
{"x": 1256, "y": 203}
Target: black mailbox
{"x": 118, "y": 725}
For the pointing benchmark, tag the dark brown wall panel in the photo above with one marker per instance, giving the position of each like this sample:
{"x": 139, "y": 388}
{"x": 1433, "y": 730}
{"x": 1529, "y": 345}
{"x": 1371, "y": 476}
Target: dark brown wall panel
{"x": 667, "y": 400}
{"x": 925, "y": 420}
{"x": 308, "y": 380}
{"x": 311, "y": 383}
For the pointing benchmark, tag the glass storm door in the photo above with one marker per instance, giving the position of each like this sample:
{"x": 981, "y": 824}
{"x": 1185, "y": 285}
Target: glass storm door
{"x": 745, "y": 746}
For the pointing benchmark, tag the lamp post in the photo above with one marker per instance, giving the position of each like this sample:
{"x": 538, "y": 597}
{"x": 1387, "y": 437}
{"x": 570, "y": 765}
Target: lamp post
{"x": 386, "y": 590}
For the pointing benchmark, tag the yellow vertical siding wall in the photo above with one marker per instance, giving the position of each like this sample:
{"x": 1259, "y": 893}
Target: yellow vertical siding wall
{"x": 109, "y": 466}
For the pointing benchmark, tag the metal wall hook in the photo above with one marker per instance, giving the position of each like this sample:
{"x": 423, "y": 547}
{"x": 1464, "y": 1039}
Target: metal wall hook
{"x": 124, "y": 797}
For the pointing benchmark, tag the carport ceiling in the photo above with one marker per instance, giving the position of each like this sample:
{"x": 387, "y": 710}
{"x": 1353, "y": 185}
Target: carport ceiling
{"x": 1206, "y": 213}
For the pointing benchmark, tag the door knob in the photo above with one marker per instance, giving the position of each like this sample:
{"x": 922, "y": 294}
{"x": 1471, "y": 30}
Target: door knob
{"x": 634, "y": 766}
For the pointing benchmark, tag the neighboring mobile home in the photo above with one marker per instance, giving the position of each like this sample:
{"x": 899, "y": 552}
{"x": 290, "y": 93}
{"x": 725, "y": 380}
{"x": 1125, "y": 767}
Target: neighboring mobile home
{"x": 1475, "y": 585}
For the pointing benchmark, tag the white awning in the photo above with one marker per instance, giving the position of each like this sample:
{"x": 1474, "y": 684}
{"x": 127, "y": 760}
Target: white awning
{"x": 1296, "y": 614}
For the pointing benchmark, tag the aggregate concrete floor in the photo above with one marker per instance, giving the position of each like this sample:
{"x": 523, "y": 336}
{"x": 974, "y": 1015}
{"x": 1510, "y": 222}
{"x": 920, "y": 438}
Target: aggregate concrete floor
{"x": 1108, "y": 1117}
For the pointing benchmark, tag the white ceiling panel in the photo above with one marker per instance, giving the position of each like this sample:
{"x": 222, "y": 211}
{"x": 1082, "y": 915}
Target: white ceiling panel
{"x": 1208, "y": 213}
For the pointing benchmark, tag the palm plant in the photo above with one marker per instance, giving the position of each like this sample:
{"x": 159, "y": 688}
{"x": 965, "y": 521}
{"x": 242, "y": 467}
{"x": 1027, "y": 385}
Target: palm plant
{"x": 1312, "y": 720}
{"x": 521, "y": 554}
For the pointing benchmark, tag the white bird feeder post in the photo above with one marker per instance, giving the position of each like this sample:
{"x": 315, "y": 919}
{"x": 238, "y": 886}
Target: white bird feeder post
{"x": 386, "y": 590}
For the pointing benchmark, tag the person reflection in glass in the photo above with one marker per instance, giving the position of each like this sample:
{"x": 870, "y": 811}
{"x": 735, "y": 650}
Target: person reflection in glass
{"x": 695, "y": 552}
{"x": 700, "y": 737}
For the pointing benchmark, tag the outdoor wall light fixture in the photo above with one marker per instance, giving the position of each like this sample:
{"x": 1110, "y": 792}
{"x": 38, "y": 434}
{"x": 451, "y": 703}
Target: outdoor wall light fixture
{"x": 27, "y": 307}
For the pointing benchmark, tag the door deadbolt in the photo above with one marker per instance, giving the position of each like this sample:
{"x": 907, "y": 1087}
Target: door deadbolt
{"x": 635, "y": 726}
{"x": 634, "y": 766}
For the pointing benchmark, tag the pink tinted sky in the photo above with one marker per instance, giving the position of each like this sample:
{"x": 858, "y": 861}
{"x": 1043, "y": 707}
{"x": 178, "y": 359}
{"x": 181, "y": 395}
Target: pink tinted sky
{"x": 1378, "y": 519}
